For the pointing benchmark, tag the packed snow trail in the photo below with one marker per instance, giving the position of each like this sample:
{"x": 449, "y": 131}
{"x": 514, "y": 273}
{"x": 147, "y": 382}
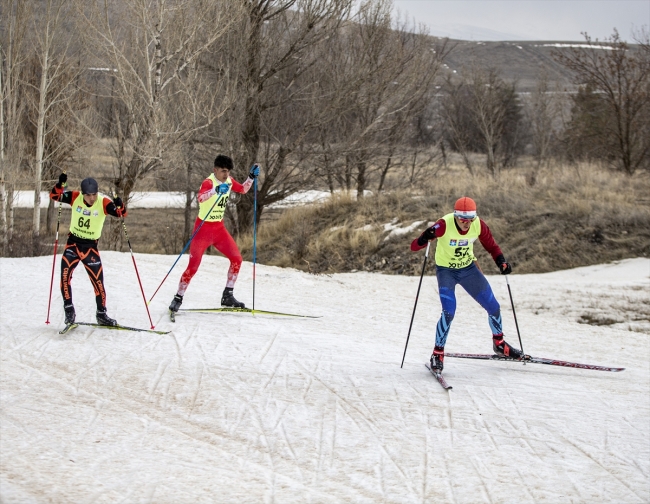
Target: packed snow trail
{"x": 241, "y": 408}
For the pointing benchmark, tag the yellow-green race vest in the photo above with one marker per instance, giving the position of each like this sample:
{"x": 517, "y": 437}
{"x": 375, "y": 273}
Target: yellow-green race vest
{"x": 454, "y": 250}
{"x": 87, "y": 222}
{"x": 219, "y": 209}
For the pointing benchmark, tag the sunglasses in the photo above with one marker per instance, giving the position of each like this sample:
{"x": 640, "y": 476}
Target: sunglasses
{"x": 464, "y": 220}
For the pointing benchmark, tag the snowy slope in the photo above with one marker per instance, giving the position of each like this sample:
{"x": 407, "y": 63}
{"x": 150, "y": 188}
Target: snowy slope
{"x": 235, "y": 408}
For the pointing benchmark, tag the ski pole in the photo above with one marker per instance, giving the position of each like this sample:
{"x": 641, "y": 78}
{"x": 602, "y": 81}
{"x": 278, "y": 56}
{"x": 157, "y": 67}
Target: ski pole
{"x": 424, "y": 265}
{"x": 144, "y": 298}
{"x": 515, "y": 315}
{"x": 254, "y": 235}
{"x": 56, "y": 244}
{"x": 184, "y": 248}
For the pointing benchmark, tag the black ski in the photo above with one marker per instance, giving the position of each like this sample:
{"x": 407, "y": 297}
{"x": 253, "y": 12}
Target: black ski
{"x": 227, "y": 309}
{"x": 121, "y": 328}
{"x": 68, "y": 328}
{"x": 172, "y": 315}
{"x": 439, "y": 377}
{"x": 534, "y": 360}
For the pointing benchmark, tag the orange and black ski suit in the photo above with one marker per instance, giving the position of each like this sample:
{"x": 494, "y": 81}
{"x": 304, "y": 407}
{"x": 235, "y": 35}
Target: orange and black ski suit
{"x": 83, "y": 250}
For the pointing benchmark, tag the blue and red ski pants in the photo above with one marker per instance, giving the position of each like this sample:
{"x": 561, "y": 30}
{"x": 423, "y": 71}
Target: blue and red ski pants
{"x": 474, "y": 282}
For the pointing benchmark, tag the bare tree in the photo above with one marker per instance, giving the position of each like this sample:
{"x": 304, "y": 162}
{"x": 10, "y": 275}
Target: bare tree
{"x": 387, "y": 71}
{"x": 455, "y": 112}
{"x": 483, "y": 114}
{"x": 618, "y": 76}
{"x": 52, "y": 46}
{"x": 13, "y": 50}
{"x": 165, "y": 90}
{"x": 279, "y": 47}
{"x": 543, "y": 113}
{"x": 489, "y": 112}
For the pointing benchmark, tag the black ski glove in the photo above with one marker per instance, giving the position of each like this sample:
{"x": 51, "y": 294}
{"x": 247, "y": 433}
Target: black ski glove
{"x": 119, "y": 206}
{"x": 63, "y": 178}
{"x": 428, "y": 235}
{"x": 504, "y": 267}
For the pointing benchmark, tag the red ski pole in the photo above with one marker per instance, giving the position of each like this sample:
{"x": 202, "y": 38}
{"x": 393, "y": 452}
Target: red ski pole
{"x": 56, "y": 244}
{"x": 144, "y": 298}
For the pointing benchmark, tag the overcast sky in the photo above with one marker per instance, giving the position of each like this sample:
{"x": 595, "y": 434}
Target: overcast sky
{"x": 527, "y": 19}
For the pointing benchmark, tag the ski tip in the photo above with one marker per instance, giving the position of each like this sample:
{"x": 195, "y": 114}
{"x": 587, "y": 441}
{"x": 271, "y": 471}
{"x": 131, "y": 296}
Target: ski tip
{"x": 68, "y": 328}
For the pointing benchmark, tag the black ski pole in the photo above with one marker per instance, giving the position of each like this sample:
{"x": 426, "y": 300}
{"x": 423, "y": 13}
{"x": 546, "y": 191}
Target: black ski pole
{"x": 424, "y": 265}
{"x": 515, "y": 315}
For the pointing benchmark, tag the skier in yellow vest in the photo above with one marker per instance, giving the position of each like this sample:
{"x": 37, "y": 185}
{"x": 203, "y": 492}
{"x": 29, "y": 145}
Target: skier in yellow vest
{"x": 89, "y": 209}
{"x": 216, "y": 188}
{"x": 455, "y": 264}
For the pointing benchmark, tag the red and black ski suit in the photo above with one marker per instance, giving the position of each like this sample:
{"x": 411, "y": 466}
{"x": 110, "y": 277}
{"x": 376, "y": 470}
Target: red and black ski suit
{"x": 83, "y": 250}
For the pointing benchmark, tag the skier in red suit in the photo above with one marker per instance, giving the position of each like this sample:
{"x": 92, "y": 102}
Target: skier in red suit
{"x": 216, "y": 188}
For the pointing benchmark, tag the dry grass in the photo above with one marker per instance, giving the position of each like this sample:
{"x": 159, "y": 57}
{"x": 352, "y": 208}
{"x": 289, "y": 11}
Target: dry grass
{"x": 571, "y": 217}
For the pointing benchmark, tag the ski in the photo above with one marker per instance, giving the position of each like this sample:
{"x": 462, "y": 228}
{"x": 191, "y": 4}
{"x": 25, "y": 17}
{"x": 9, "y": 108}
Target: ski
{"x": 534, "y": 360}
{"x": 121, "y": 328}
{"x": 226, "y": 309}
{"x": 439, "y": 377}
{"x": 68, "y": 328}
{"x": 172, "y": 315}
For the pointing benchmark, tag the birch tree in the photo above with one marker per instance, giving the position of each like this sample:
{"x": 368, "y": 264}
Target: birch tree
{"x": 52, "y": 45}
{"x": 13, "y": 36}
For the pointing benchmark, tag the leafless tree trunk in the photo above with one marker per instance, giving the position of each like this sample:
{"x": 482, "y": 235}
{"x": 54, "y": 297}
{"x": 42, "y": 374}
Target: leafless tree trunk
{"x": 3, "y": 191}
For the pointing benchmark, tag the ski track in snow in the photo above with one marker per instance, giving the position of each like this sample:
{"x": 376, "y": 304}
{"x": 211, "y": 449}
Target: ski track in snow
{"x": 236, "y": 408}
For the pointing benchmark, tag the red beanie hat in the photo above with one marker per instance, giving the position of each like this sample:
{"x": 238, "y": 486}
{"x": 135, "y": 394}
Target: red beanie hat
{"x": 465, "y": 208}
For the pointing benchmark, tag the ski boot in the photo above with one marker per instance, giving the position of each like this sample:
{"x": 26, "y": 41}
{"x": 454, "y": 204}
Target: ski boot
{"x": 227, "y": 299}
{"x": 69, "y": 314}
{"x": 175, "y": 306}
{"x": 500, "y": 347}
{"x": 105, "y": 320}
{"x": 176, "y": 303}
{"x": 437, "y": 359}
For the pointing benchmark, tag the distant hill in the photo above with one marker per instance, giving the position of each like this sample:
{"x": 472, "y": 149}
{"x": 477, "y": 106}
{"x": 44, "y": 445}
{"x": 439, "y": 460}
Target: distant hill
{"x": 520, "y": 61}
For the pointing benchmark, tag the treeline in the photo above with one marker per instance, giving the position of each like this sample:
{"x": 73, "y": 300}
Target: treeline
{"x": 322, "y": 93}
